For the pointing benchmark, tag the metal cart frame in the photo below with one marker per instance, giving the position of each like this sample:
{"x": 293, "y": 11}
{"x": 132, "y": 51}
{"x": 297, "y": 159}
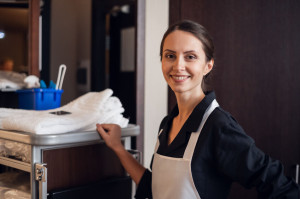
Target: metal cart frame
{"x": 38, "y": 143}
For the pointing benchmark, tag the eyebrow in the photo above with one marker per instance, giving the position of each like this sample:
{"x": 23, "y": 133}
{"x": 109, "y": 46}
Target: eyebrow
{"x": 168, "y": 50}
{"x": 172, "y": 51}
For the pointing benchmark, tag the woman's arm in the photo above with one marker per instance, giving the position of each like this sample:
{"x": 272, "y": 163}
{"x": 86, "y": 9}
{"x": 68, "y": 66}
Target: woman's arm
{"x": 240, "y": 159}
{"x": 111, "y": 134}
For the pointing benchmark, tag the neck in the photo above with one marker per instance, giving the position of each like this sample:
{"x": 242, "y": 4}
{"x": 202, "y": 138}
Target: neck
{"x": 187, "y": 103}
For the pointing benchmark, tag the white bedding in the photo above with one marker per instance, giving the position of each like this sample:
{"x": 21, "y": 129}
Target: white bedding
{"x": 86, "y": 111}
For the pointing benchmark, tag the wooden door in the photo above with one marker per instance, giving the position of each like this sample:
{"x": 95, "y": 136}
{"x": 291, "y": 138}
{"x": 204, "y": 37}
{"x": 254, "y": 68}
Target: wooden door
{"x": 257, "y": 75}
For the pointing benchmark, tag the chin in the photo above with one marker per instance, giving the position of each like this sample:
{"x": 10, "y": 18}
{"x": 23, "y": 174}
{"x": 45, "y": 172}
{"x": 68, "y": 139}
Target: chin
{"x": 178, "y": 90}
{"x": 191, "y": 90}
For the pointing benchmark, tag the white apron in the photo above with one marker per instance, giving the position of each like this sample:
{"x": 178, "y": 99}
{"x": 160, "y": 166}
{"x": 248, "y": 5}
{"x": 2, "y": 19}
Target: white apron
{"x": 172, "y": 177}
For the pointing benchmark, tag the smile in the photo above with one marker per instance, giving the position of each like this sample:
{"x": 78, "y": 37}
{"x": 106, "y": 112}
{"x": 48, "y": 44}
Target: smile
{"x": 179, "y": 78}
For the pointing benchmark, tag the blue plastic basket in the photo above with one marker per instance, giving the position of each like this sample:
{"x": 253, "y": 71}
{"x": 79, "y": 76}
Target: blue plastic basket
{"x": 39, "y": 99}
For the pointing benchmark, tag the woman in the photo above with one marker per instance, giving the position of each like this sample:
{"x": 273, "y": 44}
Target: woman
{"x": 201, "y": 149}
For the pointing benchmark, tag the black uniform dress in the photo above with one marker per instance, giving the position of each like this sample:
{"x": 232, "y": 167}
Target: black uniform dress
{"x": 223, "y": 154}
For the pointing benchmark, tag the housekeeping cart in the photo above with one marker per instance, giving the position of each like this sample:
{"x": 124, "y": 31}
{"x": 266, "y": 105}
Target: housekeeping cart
{"x": 71, "y": 164}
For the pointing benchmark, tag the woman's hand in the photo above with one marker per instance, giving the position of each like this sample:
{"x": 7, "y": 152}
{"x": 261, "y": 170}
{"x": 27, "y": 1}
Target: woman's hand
{"x": 111, "y": 134}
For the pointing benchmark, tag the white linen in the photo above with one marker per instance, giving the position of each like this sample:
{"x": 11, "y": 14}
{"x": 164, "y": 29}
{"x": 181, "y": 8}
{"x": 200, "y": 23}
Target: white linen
{"x": 18, "y": 150}
{"x": 32, "y": 81}
{"x": 86, "y": 111}
{"x": 12, "y": 80}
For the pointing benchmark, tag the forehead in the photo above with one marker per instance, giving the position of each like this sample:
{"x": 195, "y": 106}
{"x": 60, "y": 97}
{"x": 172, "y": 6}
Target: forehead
{"x": 182, "y": 40}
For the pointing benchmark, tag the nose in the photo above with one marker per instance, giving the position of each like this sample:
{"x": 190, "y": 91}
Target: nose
{"x": 179, "y": 64}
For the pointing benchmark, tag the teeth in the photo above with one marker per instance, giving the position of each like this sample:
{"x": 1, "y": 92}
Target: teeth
{"x": 179, "y": 77}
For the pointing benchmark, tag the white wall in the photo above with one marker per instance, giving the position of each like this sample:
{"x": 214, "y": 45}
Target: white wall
{"x": 157, "y": 17}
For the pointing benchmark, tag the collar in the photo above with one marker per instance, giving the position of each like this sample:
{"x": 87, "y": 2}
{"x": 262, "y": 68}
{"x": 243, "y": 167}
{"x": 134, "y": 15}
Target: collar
{"x": 191, "y": 124}
{"x": 194, "y": 120}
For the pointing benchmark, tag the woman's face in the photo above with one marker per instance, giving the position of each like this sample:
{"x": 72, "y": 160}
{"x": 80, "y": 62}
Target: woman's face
{"x": 184, "y": 62}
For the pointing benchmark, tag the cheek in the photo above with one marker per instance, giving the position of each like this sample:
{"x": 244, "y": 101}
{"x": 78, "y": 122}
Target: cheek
{"x": 195, "y": 70}
{"x": 166, "y": 73}
{"x": 165, "y": 67}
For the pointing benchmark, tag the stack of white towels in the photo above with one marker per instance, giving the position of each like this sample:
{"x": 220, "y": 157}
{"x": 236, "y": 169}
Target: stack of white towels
{"x": 86, "y": 111}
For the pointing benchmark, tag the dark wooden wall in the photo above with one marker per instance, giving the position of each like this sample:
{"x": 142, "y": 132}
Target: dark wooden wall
{"x": 257, "y": 69}
{"x": 33, "y": 41}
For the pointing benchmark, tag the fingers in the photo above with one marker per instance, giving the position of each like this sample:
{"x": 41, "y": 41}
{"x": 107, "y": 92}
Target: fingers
{"x": 101, "y": 131}
{"x": 106, "y": 129}
{"x": 111, "y": 134}
{"x": 110, "y": 127}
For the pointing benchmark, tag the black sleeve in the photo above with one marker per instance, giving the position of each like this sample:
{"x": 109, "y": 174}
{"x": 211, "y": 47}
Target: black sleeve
{"x": 239, "y": 158}
{"x": 144, "y": 189}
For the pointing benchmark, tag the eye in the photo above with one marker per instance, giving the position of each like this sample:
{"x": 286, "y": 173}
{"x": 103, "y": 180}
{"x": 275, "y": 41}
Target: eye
{"x": 190, "y": 57}
{"x": 169, "y": 56}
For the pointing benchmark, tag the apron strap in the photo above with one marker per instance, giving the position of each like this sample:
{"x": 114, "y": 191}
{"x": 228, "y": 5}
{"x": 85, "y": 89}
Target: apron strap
{"x": 189, "y": 151}
{"x": 157, "y": 142}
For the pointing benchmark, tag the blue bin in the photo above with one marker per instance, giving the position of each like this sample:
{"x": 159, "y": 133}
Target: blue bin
{"x": 39, "y": 99}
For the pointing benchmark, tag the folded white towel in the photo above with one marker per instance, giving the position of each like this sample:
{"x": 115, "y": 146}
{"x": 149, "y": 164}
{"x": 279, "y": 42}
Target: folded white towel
{"x": 86, "y": 111}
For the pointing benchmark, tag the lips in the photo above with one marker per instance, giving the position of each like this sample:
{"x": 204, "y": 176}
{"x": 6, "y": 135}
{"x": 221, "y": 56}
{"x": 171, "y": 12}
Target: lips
{"x": 179, "y": 78}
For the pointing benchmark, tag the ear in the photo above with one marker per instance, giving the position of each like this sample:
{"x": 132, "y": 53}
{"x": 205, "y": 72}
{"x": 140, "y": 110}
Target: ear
{"x": 209, "y": 66}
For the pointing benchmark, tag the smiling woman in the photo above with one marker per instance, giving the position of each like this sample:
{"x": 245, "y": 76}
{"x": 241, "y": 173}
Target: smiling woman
{"x": 201, "y": 149}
